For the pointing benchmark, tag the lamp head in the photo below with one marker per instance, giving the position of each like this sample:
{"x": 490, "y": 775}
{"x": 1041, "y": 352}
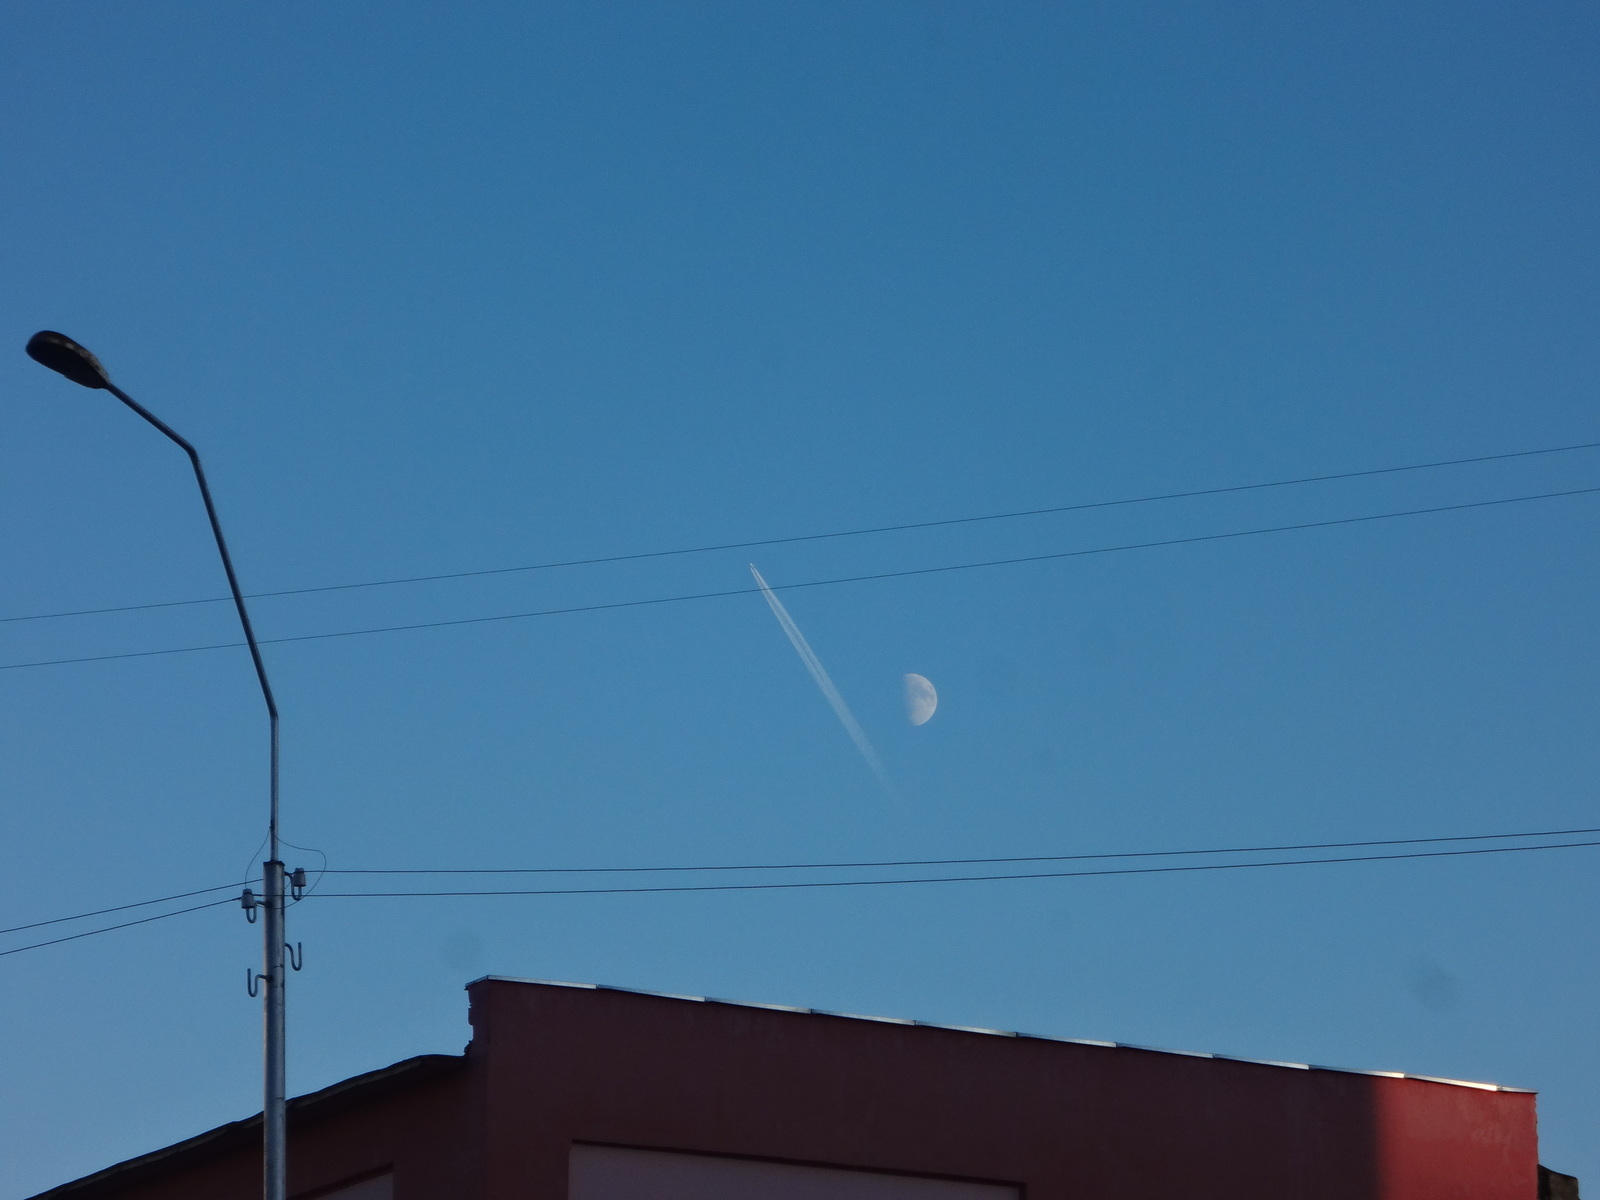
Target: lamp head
{"x": 65, "y": 357}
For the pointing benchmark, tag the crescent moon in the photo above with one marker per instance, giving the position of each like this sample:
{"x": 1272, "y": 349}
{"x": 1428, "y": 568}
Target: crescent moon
{"x": 921, "y": 699}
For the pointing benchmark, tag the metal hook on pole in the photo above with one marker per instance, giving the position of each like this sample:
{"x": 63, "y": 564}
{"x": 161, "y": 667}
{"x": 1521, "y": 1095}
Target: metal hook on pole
{"x": 252, "y": 982}
{"x": 296, "y": 953}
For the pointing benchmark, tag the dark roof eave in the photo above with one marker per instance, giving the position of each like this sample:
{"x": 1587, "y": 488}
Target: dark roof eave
{"x": 225, "y": 1139}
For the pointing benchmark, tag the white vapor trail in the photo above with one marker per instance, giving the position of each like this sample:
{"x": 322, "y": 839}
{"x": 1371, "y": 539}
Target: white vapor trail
{"x": 829, "y": 692}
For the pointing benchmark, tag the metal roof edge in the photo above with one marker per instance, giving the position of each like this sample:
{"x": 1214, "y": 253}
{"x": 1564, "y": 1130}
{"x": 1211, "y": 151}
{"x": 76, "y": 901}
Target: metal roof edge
{"x": 1034, "y": 1037}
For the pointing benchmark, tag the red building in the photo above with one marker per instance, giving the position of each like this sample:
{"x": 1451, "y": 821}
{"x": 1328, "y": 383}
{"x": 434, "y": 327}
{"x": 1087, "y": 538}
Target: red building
{"x": 573, "y": 1092}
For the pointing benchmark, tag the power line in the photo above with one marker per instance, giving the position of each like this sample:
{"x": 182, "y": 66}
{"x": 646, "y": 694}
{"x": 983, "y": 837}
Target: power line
{"x": 844, "y": 883}
{"x": 970, "y": 566}
{"x": 955, "y": 862}
{"x": 875, "y": 864}
{"x": 72, "y": 937}
{"x": 817, "y": 537}
{"x": 100, "y": 912}
{"x": 868, "y": 882}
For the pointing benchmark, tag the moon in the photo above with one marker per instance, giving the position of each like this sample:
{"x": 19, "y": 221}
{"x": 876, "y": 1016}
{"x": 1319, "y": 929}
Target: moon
{"x": 921, "y": 699}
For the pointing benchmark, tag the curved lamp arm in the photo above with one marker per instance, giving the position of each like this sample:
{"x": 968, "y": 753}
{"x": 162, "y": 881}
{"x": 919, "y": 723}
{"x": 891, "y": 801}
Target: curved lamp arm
{"x": 64, "y": 356}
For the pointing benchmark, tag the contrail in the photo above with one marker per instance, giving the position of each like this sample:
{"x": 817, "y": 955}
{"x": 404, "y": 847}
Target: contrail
{"x": 831, "y": 693}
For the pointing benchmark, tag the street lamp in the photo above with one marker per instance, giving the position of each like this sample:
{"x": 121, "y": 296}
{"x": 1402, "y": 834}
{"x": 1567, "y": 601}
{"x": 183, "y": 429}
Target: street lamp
{"x": 64, "y": 356}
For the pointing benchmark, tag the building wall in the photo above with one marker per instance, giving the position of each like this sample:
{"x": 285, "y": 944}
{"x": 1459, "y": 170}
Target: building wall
{"x": 423, "y": 1135}
{"x": 784, "y": 1105}
{"x": 1063, "y": 1121}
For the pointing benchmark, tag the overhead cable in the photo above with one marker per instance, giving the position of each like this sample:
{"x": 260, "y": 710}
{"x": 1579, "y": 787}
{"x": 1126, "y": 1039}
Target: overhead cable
{"x": 958, "y": 862}
{"x": 867, "y": 864}
{"x": 72, "y": 937}
{"x": 811, "y": 583}
{"x": 100, "y": 912}
{"x": 905, "y": 527}
{"x": 842, "y": 883}
{"x": 864, "y": 864}
{"x": 792, "y": 885}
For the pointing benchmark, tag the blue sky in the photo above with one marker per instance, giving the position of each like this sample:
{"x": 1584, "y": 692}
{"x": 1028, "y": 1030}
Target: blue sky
{"x": 440, "y": 289}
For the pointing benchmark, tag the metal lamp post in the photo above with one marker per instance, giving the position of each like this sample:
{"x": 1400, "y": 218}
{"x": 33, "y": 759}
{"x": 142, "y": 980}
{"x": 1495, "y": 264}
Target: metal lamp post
{"x": 64, "y": 356}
